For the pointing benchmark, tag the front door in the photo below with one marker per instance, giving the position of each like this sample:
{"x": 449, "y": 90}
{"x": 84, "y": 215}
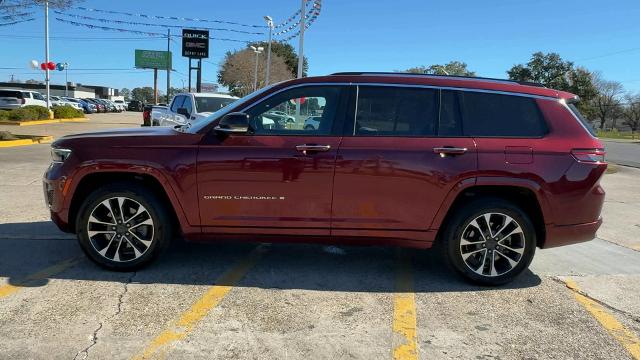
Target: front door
{"x": 397, "y": 162}
{"x": 278, "y": 178}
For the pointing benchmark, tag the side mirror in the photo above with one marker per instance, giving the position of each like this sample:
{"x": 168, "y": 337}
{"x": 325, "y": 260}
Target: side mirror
{"x": 233, "y": 123}
{"x": 184, "y": 112}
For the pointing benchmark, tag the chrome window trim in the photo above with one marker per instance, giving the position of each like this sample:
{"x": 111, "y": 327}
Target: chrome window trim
{"x": 405, "y": 86}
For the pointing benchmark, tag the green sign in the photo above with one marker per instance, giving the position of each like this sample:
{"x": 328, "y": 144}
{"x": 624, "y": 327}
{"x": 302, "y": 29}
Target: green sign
{"x": 152, "y": 59}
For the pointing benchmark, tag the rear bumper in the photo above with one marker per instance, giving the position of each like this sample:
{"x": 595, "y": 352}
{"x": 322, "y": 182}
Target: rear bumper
{"x": 561, "y": 235}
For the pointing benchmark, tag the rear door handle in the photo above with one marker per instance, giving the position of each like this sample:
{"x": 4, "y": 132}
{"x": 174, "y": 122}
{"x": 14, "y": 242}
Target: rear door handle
{"x": 449, "y": 150}
{"x": 312, "y": 148}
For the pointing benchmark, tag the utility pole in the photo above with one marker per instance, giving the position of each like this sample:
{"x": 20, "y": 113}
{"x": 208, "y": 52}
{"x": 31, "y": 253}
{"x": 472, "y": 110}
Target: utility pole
{"x": 46, "y": 51}
{"x": 169, "y": 65}
{"x": 270, "y": 24}
{"x": 301, "y": 46}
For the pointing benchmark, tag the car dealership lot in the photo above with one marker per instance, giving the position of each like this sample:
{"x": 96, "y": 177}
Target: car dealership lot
{"x": 293, "y": 301}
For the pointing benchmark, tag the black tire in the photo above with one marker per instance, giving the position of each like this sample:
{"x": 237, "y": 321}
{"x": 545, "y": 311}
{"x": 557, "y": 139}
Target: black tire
{"x": 162, "y": 225}
{"x": 450, "y": 241}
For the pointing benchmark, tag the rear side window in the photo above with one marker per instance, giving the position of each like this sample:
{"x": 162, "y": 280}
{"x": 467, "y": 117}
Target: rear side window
{"x": 37, "y": 96}
{"x": 389, "y": 111}
{"x": 11, "y": 94}
{"x": 584, "y": 121}
{"x": 450, "y": 117}
{"x": 496, "y": 115}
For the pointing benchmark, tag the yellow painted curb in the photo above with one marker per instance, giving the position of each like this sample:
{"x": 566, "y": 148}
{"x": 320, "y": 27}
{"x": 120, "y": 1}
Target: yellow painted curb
{"x": 28, "y": 123}
{"x": 25, "y": 142}
{"x": 74, "y": 120}
{"x": 12, "y": 143}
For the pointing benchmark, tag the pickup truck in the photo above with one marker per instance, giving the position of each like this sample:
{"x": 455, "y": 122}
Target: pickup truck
{"x": 188, "y": 108}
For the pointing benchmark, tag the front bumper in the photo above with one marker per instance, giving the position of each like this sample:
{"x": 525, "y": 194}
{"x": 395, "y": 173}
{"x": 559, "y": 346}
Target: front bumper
{"x": 561, "y": 235}
{"x": 54, "y": 186}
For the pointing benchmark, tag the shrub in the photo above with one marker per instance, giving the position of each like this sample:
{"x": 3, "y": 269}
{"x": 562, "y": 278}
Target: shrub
{"x": 22, "y": 114}
{"x": 4, "y": 115}
{"x": 66, "y": 112}
{"x": 42, "y": 111}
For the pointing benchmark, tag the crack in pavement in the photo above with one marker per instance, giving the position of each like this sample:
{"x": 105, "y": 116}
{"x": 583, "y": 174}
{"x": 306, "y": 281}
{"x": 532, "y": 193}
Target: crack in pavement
{"x": 84, "y": 353}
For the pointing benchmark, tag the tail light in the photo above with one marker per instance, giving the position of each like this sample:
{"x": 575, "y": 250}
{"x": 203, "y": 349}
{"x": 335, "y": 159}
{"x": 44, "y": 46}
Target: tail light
{"x": 591, "y": 156}
{"x": 23, "y": 101}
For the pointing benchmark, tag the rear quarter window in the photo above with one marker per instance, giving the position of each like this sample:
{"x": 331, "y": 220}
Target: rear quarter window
{"x": 498, "y": 115}
{"x": 11, "y": 93}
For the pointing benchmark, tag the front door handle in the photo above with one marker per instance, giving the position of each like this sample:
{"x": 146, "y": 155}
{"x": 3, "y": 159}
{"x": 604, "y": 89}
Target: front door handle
{"x": 312, "y": 148}
{"x": 449, "y": 150}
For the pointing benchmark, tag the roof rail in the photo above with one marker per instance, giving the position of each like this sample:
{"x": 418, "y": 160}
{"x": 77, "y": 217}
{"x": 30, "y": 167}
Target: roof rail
{"x": 528, "y": 83}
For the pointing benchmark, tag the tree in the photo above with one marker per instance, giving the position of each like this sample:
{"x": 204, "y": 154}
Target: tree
{"x": 144, "y": 94}
{"x": 126, "y": 93}
{"x": 238, "y": 69}
{"x": 631, "y": 112}
{"x": 456, "y": 68}
{"x": 606, "y": 104}
{"x": 553, "y": 72}
{"x": 288, "y": 53}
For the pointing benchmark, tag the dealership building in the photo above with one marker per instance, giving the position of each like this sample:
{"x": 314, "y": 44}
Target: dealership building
{"x": 74, "y": 90}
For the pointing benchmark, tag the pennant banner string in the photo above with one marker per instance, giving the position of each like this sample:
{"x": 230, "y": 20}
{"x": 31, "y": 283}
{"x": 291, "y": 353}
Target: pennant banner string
{"x": 149, "y": 24}
{"x": 166, "y": 17}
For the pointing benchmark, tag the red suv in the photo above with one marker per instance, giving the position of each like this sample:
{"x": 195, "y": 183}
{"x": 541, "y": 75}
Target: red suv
{"x": 486, "y": 170}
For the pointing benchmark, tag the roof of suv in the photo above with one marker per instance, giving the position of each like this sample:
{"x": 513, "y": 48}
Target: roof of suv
{"x": 499, "y": 85}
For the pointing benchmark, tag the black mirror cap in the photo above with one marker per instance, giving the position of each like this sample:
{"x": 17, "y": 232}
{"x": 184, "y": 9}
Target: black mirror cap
{"x": 235, "y": 122}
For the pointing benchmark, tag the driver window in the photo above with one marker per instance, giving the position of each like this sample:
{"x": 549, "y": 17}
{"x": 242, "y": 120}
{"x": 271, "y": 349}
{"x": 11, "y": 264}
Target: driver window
{"x": 177, "y": 103}
{"x": 307, "y": 110}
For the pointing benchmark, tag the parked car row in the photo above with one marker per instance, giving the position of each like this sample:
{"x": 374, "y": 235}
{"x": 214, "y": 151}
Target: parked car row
{"x": 13, "y": 99}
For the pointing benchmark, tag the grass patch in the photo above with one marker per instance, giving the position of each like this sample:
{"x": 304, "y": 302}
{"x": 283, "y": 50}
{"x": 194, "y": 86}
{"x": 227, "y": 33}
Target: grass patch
{"x": 615, "y": 134}
{"x": 5, "y": 135}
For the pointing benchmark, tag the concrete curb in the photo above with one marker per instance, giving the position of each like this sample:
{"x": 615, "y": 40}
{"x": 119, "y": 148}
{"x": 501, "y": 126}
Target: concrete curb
{"x": 42, "y": 122}
{"x": 24, "y": 142}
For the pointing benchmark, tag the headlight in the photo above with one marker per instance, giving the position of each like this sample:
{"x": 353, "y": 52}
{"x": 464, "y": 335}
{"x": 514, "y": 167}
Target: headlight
{"x": 59, "y": 155}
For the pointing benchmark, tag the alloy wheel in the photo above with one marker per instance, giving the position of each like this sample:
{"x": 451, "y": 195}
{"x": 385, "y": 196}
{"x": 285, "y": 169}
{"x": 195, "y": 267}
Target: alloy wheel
{"x": 120, "y": 229}
{"x": 492, "y": 244}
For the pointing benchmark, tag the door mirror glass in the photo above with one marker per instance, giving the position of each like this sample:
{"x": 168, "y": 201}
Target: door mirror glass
{"x": 184, "y": 112}
{"x": 233, "y": 123}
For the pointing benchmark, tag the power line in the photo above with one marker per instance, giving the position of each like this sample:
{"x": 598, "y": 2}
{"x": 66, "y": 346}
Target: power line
{"x": 610, "y": 54}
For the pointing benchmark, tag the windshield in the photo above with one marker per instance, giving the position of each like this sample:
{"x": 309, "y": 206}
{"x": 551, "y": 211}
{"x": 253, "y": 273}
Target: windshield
{"x": 211, "y": 104}
{"x": 225, "y": 110}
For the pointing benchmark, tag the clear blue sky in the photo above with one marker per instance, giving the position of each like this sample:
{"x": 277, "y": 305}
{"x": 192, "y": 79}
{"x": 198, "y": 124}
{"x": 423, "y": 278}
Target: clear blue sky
{"x": 490, "y": 36}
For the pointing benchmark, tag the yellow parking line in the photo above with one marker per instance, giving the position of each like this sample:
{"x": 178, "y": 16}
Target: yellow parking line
{"x": 624, "y": 336}
{"x": 185, "y": 324}
{"x": 8, "y": 289}
{"x": 404, "y": 311}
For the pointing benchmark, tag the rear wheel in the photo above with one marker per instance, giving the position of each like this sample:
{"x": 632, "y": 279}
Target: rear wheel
{"x": 489, "y": 241}
{"x": 123, "y": 226}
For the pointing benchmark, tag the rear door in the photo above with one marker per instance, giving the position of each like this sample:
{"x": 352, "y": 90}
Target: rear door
{"x": 278, "y": 179}
{"x": 398, "y": 160}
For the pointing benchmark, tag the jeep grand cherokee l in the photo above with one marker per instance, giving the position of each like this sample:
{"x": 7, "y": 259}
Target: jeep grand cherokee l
{"x": 485, "y": 170}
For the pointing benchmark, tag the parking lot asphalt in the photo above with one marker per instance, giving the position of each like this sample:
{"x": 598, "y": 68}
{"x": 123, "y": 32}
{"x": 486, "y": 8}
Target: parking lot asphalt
{"x": 278, "y": 301}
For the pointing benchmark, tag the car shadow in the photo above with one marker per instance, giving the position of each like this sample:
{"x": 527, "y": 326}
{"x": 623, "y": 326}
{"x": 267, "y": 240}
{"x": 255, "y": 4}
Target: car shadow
{"x": 39, "y": 248}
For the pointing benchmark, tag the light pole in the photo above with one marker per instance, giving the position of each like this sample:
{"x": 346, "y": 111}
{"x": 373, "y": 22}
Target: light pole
{"x": 269, "y": 21}
{"x": 46, "y": 50}
{"x": 301, "y": 44}
{"x": 66, "y": 79}
{"x": 258, "y": 50}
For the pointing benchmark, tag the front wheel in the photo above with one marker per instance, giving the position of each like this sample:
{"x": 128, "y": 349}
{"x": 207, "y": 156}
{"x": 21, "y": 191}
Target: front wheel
{"x": 489, "y": 241}
{"x": 123, "y": 226}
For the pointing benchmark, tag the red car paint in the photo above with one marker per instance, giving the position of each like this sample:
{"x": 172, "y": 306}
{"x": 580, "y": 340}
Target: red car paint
{"x": 368, "y": 190}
